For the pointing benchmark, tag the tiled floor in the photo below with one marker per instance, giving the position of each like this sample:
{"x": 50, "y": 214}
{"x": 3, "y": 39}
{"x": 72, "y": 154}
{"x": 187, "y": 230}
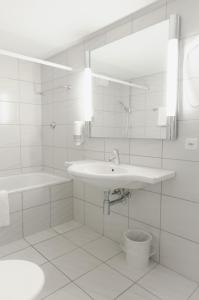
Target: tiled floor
{"x": 79, "y": 264}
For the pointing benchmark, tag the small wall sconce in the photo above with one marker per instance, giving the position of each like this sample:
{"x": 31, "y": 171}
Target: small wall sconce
{"x": 78, "y": 132}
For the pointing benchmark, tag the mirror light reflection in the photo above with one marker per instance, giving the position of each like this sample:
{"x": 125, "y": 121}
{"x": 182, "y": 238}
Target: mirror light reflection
{"x": 140, "y": 58}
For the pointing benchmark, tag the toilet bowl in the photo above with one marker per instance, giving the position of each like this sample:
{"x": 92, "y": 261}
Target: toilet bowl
{"x": 20, "y": 280}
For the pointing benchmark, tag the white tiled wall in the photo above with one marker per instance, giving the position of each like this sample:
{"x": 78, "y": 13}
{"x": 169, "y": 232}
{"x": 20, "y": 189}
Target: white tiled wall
{"x": 36, "y": 210}
{"x": 20, "y": 116}
{"x": 168, "y": 211}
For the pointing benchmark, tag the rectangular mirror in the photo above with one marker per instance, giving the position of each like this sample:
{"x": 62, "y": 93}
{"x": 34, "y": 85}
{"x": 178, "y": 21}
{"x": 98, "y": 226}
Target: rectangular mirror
{"x": 135, "y": 82}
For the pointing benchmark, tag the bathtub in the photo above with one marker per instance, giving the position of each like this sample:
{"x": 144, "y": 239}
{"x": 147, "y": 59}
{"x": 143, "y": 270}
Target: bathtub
{"x": 24, "y": 182}
{"x": 38, "y": 201}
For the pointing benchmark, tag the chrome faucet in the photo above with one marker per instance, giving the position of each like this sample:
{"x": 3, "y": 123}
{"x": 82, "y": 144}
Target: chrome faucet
{"x": 115, "y": 158}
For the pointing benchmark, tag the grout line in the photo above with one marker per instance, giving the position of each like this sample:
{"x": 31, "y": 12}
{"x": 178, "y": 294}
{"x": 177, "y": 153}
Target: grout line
{"x": 22, "y": 212}
{"x": 15, "y": 252}
{"x": 82, "y": 247}
{"x": 82, "y": 289}
{"x": 124, "y": 291}
{"x": 180, "y": 274}
{"x": 136, "y": 281}
{"x": 101, "y": 262}
{"x": 161, "y": 199}
{"x": 193, "y": 293}
{"x": 54, "y": 292}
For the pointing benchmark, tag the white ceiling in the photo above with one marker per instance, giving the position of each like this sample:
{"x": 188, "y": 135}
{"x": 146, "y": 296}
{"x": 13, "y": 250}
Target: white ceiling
{"x": 136, "y": 55}
{"x": 44, "y": 27}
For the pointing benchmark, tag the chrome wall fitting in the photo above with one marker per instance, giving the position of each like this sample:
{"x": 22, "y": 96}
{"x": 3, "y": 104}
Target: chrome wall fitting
{"x": 122, "y": 195}
{"x": 53, "y": 125}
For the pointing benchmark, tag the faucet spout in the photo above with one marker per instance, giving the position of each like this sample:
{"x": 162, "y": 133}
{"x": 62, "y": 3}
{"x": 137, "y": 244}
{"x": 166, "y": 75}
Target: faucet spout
{"x": 115, "y": 157}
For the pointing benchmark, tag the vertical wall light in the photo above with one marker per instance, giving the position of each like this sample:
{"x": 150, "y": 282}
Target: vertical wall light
{"x": 88, "y": 102}
{"x": 88, "y": 95}
{"x": 172, "y": 77}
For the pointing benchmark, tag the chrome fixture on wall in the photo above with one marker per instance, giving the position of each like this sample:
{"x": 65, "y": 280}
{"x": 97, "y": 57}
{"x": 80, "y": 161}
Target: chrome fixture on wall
{"x": 122, "y": 195}
{"x": 53, "y": 125}
{"x": 115, "y": 158}
{"x": 127, "y": 109}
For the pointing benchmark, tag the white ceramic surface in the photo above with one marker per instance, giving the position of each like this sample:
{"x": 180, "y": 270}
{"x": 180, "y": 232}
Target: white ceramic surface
{"x": 109, "y": 176}
{"x": 20, "y": 280}
{"x": 23, "y": 182}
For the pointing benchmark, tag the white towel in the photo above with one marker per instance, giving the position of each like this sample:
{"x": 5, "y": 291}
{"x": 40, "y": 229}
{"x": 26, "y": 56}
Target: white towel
{"x": 4, "y": 209}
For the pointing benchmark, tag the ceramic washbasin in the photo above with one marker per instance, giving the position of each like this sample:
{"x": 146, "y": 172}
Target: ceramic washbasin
{"x": 107, "y": 175}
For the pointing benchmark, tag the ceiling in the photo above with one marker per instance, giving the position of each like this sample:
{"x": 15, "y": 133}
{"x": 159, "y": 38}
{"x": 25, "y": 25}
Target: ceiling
{"x": 42, "y": 28}
{"x": 136, "y": 55}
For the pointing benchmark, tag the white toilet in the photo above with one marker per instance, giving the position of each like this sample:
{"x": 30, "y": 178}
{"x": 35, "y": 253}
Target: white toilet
{"x": 20, "y": 280}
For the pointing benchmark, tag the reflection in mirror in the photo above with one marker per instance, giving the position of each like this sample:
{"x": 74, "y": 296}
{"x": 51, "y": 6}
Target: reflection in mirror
{"x": 131, "y": 111}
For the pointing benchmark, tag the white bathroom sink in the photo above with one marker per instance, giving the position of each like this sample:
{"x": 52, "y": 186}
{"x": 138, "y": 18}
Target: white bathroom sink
{"x": 107, "y": 175}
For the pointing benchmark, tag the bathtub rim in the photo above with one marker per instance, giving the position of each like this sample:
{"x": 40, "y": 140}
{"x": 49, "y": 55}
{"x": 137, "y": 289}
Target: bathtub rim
{"x": 60, "y": 180}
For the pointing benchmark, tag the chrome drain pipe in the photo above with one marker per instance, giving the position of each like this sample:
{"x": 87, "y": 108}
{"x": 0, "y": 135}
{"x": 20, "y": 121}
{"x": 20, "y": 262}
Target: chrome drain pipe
{"x": 122, "y": 196}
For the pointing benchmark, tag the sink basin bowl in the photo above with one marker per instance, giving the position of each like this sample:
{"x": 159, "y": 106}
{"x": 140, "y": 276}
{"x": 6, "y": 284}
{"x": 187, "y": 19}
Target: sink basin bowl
{"x": 107, "y": 176}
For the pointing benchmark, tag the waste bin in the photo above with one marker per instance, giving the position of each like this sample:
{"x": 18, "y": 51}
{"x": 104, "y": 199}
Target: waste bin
{"x": 137, "y": 244}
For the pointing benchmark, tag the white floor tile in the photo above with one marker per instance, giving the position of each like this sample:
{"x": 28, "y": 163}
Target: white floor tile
{"x": 54, "y": 280}
{"x": 103, "y": 248}
{"x": 120, "y": 264}
{"x": 103, "y": 283}
{"x": 137, "y": 293}
{"x": 41, "y": 236}
{"x": 82, "y": 235}
{"x": 195, "y": 295}
{"x": 76, "y": 263}
{"x": 55, "y": 247}
{"x": 65, "y": 227}
{"x": 28, "y": 254}
{"x": 70, "y": 292}
{"x": 167, "y": 284}
{"x": 13, "y": 247}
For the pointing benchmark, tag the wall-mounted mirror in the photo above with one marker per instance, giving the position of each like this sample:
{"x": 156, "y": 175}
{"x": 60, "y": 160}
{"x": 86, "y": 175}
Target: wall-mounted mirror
{"x": 132, "y": 84}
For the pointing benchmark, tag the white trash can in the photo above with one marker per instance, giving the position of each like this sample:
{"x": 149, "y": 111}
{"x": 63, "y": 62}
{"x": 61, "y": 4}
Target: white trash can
{"x": 137, "y": 244}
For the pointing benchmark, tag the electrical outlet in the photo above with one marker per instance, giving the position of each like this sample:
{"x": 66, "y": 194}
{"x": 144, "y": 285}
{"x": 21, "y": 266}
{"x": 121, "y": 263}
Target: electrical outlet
{"x": 191, "y": 143}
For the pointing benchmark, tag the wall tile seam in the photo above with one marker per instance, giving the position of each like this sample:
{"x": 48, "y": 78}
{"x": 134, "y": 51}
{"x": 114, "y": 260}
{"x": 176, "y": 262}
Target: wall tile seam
{"x": 54, "y": 79}
{"x": 18, "y": 145}
{"x": 61, "y": 199}
{"x": 183, "y": 275}
{"x": 131, "y": 155}
{"x": 180, "y": 160}
{"x": 19, "y": 80}
{"x": 92, "y": 204}
{"x": 196, "y": 243}
{"x": 30, "y": 166}
{"x": 144, "y": 223}
{"x": 165, "y": 195}
{"x": 66, "y": 100}
{"x": 20, "y": 124}
{"x": 36, "y": 206}
{"x": 117, "y": 214}
{"x": 183, "y": 122}
{"x": 148, "y": 190}
{"x": 44, "y": 203}
{"x": 23, "y": 102}
{"x": 179, "y": 198}
{"x": 29, "y": 146}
